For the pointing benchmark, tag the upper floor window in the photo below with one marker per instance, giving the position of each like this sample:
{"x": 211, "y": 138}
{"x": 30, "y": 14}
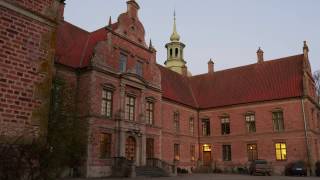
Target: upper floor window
{"x": 176, "y": 123}
{"x": 149, "y": 112}
{"x": 226, "y": 152}
{"x": 139, "y": 68}
{"x": 176, "y": 52}
{"x": 205, "y": 127}
{"x": 225, "y": 125}
{"x": 278, "y": 123}
{"x": 250, "y": 122}
{"x": 281, "y": 151}
{"x": 130, "y": 107}
{"x": 123, "y": 63}
{"x": 191, "y": 126}
{"x": 106, "y": 105}
{"x": 105, "y": 145}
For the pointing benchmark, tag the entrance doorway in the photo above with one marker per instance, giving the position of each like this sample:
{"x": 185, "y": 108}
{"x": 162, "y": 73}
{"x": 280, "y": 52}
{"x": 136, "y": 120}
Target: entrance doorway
{"x": 150, "y": 148}
{"x": 206, "y": 153}
{"x": 131, "y": 148}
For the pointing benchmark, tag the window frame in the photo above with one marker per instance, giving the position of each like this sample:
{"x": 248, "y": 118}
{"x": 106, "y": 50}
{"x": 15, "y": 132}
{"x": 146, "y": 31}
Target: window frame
{"x": 105, "y": 147}
{"x": 130, "y": 108}
{"x": 150, "y": 112}
{"x": 281, "y": 152}
{"x": 277, "y": 120}
{"x": 225, "y": 125}
{"x": 139, "y": 68}
{"x": 191, "y": 125}
{"x": 226, "y": 152}
{"x": 104, "y": 103}
{"x": 250, "y": 152}
{"x": 206, "y": 127}
{"x": 176, "y": 121}
{"x": 176, "y": 152}
{"x": 193, "y": 152}
{"x": 123, "y": 62}
{"x": 250, "y": 122}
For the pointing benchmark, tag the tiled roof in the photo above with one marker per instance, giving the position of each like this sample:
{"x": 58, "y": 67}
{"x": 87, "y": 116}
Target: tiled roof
{"x": 270, "y": 80}
{"x": 176, "y": 87}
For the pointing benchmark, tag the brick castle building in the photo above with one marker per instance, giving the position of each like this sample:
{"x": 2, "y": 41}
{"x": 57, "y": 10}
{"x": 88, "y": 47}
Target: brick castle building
{"x": 143, "y": 112}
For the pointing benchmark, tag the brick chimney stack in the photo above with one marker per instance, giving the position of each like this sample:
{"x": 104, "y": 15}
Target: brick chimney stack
{"x": 210, "y": 67}
{"x": 260, "y": 55}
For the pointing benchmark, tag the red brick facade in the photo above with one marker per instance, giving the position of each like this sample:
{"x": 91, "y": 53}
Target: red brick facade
{"x": 93, "y": 63}
{"x": 27, "y": 33}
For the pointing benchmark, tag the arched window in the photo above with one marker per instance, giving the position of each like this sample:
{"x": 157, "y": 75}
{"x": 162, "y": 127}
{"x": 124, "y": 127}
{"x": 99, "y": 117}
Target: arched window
{"x": 177, "y": 52}
{"x": 170, "y": 52}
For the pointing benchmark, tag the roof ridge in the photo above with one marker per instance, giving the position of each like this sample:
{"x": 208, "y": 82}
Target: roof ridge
{"x": 248, "y": 65}
{"x": 79, "y": 28}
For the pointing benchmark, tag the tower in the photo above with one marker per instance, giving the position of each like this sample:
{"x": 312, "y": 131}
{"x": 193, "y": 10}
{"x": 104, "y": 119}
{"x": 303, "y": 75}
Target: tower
{"x": 175, "y": 60}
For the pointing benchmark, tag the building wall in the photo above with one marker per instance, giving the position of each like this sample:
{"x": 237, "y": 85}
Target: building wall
{"x": 265, "y": 137}
{"x": 27, "y": 42}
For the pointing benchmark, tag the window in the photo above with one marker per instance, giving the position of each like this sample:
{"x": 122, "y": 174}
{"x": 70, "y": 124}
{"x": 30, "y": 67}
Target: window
{"x": 250, "y": 122}
{"x": 252, "y": 152}
{"x": 139, "y": 68}
{"x": 149, "y": 112}
{"x": 176, "y": 123}
{"x": 105, "y": 145}
{"x": 150, "y": 148}
{"x": 225, "y": 125}
{"x": 176, "y": 53}
{"x": 106, "y": 106}
{"x": 130, "y": 108}
{"x": 176, "y": 150}
{"x": 191, "y": 126}
{"x": 278, "y": 124}
{"x": 170, "y": 52}
{"x": 205, "y": 127}
{"x": 123, "y": 63}
{"x": 281, "y": 151}
{"x": 192, "y": 152}
{"x": 226, "y": 152}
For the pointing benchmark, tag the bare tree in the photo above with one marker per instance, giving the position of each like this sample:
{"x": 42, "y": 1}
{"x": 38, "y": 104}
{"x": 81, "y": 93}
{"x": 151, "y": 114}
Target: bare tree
{"x": 316, "y": 77}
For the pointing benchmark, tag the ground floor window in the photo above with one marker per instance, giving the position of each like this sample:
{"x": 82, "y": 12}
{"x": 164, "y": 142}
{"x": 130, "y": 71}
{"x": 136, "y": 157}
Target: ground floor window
{"x": 252, "y": 150}
{"x": 105, "y": 145}
{"x": 226, "y": 152}
{"x": 176, "y": 150}
{"x": 192, "y": 152}
{"x": 281, "y": 151}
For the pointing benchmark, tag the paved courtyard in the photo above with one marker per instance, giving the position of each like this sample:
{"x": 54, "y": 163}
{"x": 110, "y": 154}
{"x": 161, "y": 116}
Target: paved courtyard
{"x": 215, "y": 177}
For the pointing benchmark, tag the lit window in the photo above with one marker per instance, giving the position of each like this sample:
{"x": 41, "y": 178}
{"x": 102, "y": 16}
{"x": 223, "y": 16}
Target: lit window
{"x": 252, "y": 152}
{"x": 106, "y": 105}
{"x": 149, "y": 112}
{"x": 130, "y": 108}
{"x": 176, "y": 150}
{"x": 105, "y": 145}
{"x": 281, "y": 151}
{"x": 250, "y": 122}
{"x": 225, "y": 125}
{"x": 226, "y": 152}
{"x": 278, "y": 124}
{"x": 123, "y": 63}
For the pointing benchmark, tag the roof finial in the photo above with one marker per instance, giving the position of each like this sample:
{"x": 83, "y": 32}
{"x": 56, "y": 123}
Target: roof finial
{"x": 305, "y": 47}
{"x": 175, "y": 36}
{"x": 110, "y": 22}
{"x": 151, "y": 46}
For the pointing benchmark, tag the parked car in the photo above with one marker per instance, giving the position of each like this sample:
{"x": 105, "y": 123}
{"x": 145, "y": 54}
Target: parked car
{"x": 297, "y": 168}
{"x": 260, "y": 167}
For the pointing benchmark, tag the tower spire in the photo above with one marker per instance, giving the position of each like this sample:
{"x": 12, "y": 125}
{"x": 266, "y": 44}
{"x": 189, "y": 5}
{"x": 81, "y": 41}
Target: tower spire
{"x": 175, "y": 36}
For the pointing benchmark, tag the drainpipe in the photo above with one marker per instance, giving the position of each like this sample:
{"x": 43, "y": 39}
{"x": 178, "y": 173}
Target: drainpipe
{"x": 199, "y": 153}
{"x": 306, "y": 137}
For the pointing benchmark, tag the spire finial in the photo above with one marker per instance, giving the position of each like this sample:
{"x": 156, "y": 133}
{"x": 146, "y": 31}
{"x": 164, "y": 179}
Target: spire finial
{"x": 110, "y": 22}
{"x": 175, "y": 36}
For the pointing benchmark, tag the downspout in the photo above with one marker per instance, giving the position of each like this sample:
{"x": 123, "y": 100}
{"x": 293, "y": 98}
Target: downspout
{"x": 199, "y": 146}
{"x": 306, "y": 136}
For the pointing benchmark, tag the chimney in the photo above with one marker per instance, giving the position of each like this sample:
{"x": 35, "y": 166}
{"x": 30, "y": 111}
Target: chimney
{"x": 184, "y": 70}
{"x": 210, "y": 67}
{"x": 260, "y": 55}
{"x": 305, "y": 49}
{"x": 132, "y": 8}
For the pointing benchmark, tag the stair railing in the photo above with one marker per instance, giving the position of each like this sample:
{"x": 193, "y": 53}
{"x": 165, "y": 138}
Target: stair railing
{"x": 158, "y": 163}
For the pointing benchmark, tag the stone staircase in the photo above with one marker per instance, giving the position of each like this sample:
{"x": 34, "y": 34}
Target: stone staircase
{"x": 151, "y": 172}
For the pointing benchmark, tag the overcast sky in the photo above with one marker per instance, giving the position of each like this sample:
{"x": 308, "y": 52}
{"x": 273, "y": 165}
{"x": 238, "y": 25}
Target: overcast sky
{"x": 229, "y": 31}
